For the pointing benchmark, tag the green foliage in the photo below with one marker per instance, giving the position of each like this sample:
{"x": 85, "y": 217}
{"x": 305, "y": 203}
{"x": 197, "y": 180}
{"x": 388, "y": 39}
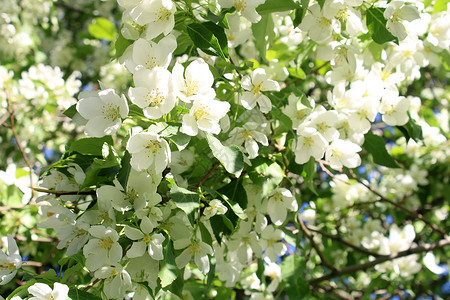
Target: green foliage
{"x": 230, "y": 157}
{"x": 376, "y": 23}
{"x": 103, "y": 29}
{"x": 297, "y": 287}
{"x": 75, "y": 294}
{"x": 263, "y": 34}
{"x": 270, "y": 6}
{"x": 375, "y": 145}
{"x": 184, "y": 199}
{"x": 210, "y": 38}
{"x": 411, "y": 130}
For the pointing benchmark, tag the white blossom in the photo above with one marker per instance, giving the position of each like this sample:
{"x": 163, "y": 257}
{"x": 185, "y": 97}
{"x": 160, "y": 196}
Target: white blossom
{"x": 147, "y": 150}
{"x": 103, "y": 111}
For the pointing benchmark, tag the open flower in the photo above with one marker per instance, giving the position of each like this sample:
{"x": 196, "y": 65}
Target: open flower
{"x": 396, "y": 13}
{"x": 258, "y": 83}
{"x": 9, "y": 263}
{"x": 148, "y": 150}
{"x": 41, "y": 291}
{"x": 196, "y": 81}
{"x": 250, "y": 137}
{"x": 204, "y": 115}
{"x": 309, "y": 143}
{"x": 154, "y": 92}
{"x": 194, "y": 249}
{"x": 247, "y": 8}
{"x": 279, "y": 202}
{"x": 145, "y": 240}
{"x": 149, "y": 55}
{"x": 103, "y": 248}
{"x": 117, "y": 281}
{"x": 103, "y": 111}
{"x": 158, "y": 14}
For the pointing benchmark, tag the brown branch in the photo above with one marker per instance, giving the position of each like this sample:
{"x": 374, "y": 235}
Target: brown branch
{"x": 32, "y": 264}
{"x": 381, "y": 259}
{"x": 59, "y": 193}
{"x": 40, "y": 240}
{"x": 11, "y": 118}
{"x": 91, "y": 285}
{"x": 313, "y": 71}
{"x": 310, "y": 237}
{"x": 342, "y": 241}
{"x": 202, "y": 181}
{"x": 401, "y": 207}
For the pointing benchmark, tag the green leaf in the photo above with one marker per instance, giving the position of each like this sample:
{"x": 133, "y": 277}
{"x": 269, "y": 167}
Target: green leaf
{"x": 439, "y": 5}
{"x": 103, "y": 29}
{"x": 173, "y": 132}
{"x": 90, "y": 146}
{"x": 263, "y": 34}
{"x": 309, "y": 169}
{"x": 184, "y": 199}
{"x": 321, "y": 3}
{"x": 169, "y": 270}
{"x": 376, "y": 23}
{"x": 271, "y": 6}
{"x": 206, "y": 236}
{"x": 221, "y": 19}
{"x": 125, "y": 169}
{"x": 376, "y": 146}
{"x": 231, "y": 157}
{"x": 292, "y": 269}
{"x": 120, "y": 45}
{"x": 22, "y": 291}
{"x": 300, "y": 12}
{"x": 209, "y": 38}
{"x": 266, "y": 174}
{"x": 237, "y": 209}
{"x": 411, "y": 130}
{"x": 71, "y": 111}
{"x": 75, "y": 294}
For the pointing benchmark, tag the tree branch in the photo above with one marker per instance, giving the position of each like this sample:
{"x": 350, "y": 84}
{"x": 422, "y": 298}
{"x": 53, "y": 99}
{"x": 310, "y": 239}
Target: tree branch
{"x": 202, "y": 181}
{"x": 401, "y": 207}
{"x": 11, "y": 118}
{"x": 310, "y": 237}
{"x": 59, "y": 193}
{"x": 381, "y": 259}
{"x": 342, "y": 241}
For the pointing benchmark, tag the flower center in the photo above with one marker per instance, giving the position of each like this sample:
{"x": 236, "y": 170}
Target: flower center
{"x": 111, "y": 112}
{"x": 163, "y": 14}
{"x": 153, "y": 147}
{"x": 191, "y": 88}
{"x": 150, "y": 63}
{"x": 308, "y": 141}
{"x": 201, "y": 112}
{"x": 105, "y": 243}
{"x": 130, "y": 195}
{"x": 256, "y": 90}
{"x": 6, "y": 266}
{"x": 240, "y": 5}
{"x": 194, "y": 249}
{"x": 146, "y": 239}
{"x": 78, "y": 232}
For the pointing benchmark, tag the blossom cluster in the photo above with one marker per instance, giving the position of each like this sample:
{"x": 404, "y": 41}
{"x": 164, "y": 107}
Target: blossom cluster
{"x": 140, "y": 216}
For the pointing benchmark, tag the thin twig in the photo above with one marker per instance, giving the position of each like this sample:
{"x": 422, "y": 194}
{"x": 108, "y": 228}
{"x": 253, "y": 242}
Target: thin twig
{"x": 342, "y": 241}
{"x": 381, "y": 259}
{"x": 310, "y": 237}
{"x": 59, "y": 193}
{"x": 91, "y": 285}
{"x": 11, "y": 118}
{"x": 401, "y": 207}
{"x": 202, "y": 181}
{"x": 313, "y": 71}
